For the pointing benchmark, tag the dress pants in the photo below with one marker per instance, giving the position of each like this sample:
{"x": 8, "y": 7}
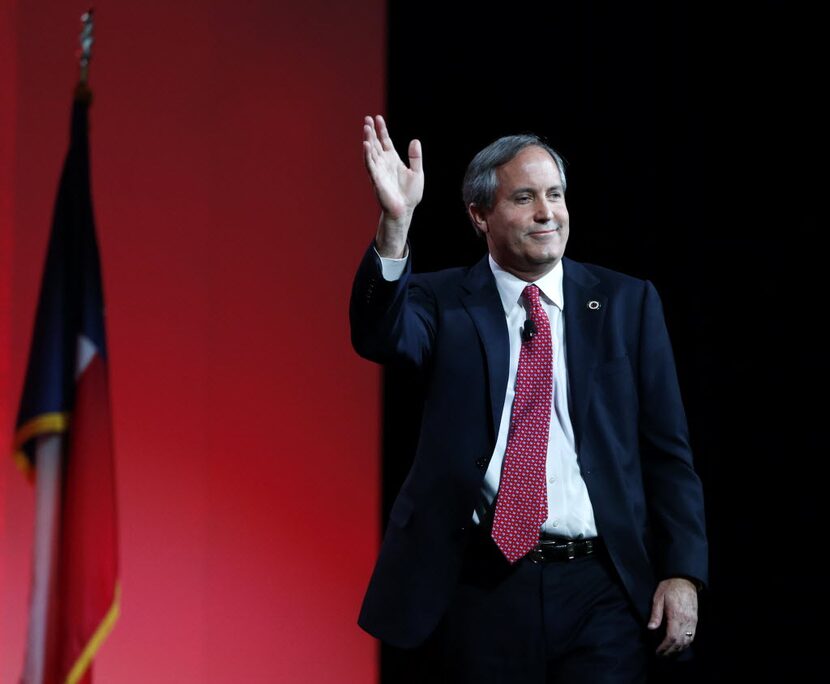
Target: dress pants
{"x": 563, "y": 622}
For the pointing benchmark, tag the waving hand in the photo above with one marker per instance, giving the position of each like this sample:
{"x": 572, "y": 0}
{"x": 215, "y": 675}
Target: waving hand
{"x": 399, "y": 188}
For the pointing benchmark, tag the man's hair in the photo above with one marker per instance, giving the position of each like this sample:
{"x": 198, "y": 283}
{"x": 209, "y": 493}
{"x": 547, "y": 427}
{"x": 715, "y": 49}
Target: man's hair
{"x": 480, "y": 181}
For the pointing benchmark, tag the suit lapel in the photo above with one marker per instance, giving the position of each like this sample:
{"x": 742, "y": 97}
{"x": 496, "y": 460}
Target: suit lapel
{"x": 482, "y": 302}
{"x": 584, "y": 316}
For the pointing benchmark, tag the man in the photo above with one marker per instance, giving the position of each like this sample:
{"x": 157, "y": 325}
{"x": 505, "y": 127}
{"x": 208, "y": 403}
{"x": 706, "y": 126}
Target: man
{"x": 552, "y": 515}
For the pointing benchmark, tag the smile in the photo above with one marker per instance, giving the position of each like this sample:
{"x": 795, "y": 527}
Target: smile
{"x": 543, "y": 233}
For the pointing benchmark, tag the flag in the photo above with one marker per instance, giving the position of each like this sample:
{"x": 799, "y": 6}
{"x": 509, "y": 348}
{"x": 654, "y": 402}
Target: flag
{"x": 63, "y": 439}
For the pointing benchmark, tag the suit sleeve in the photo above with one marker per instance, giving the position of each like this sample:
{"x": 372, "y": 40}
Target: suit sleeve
{"x": 392, "y": 322}
{"x": 673, "y": 489}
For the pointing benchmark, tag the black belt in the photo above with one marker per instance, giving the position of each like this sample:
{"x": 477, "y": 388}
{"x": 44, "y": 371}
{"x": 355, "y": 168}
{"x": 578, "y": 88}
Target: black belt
{"x": 551, "y": 550}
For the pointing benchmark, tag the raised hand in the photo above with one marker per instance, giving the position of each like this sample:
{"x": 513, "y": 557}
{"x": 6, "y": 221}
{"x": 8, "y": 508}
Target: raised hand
{"x": 399, "y": 188}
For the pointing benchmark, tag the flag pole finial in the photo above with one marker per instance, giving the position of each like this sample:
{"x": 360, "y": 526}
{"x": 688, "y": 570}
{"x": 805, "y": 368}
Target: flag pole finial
{"x": 85, "y": 54}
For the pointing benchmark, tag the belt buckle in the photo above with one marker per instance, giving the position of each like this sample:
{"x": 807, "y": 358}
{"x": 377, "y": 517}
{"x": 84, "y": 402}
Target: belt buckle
{"x": 570, "y": 548}
{"x": 536, "y": 555}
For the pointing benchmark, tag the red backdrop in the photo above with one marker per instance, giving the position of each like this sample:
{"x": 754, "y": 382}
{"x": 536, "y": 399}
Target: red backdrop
{"x": 232, "y": 209}
{"x": 8, "y": 70}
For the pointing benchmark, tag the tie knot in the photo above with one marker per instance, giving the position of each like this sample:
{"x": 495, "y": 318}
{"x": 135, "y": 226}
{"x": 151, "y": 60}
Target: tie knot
{"x": 531, "y": 294}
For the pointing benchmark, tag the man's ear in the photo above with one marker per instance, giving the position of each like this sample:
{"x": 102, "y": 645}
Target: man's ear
{"x": 478, "y": 218}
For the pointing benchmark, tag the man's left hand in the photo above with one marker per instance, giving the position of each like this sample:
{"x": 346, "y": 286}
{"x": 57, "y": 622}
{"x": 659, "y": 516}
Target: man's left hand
{"x": 675, "y": 601}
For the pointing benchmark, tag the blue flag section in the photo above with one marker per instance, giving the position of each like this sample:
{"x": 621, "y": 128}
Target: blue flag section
{"x": 70, "y": 304}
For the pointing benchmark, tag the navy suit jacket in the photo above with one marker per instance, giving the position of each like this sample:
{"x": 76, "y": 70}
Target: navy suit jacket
{"x": 625, "y": 404}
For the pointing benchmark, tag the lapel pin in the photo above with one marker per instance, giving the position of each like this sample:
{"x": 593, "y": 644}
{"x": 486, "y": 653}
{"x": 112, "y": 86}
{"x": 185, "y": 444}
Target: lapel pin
{"x": 593, "y": 305}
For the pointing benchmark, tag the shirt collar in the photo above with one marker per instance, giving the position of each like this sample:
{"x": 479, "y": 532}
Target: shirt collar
{"x": 510, "y": 287}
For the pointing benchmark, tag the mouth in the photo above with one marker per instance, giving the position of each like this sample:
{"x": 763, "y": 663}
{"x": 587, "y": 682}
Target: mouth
{"x": 544, "y": 233}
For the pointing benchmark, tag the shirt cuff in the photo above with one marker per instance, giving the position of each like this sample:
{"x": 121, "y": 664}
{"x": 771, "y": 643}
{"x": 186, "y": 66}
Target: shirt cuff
{"x": 392, "y": 269}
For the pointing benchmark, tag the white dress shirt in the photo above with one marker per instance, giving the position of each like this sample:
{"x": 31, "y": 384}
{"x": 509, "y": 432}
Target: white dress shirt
{"x": 570, "y": 513}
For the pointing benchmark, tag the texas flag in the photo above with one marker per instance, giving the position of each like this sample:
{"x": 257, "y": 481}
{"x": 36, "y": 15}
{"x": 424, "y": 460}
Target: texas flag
{"x": 64, "y": 441}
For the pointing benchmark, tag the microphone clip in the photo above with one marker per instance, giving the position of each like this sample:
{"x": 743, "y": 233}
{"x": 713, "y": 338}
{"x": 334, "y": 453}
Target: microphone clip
{"x": 529, "y": 330}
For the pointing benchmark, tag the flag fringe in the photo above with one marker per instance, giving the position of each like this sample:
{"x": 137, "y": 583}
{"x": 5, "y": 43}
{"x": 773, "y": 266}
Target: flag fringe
{"x": 44, "y": 424}
{"x": 82, "y": 664}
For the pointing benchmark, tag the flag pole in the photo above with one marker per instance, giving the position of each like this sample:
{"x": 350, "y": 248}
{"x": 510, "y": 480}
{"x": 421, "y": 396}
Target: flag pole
{"x": 64, "y": 432}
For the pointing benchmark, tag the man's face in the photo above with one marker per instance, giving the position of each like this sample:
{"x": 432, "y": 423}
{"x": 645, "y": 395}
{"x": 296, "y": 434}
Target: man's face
{"x": 527, "y": 228}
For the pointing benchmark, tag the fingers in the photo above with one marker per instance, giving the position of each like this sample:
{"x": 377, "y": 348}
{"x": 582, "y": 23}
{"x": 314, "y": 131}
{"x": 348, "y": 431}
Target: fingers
{"x": 376, "y": 134}
{"x": 680, "y": 633}
{"x": 372, "y": 147}
{"x": 368, "y": 156}
{"x": 656, "y": 612}
{"x": 376, "y": 143}
{"x": 383, "y": 133}
{"x": 416, "y": 161}
{"x": 370, "y": 138}
{"x": 675, "y": 642}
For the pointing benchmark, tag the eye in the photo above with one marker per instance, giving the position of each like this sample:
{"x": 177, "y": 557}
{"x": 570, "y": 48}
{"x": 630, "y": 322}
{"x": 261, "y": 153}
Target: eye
{"x": 524, "y": 198}
{"x": 555, "y": 194}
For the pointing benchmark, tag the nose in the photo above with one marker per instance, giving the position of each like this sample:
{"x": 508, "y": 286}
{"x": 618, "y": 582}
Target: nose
{"x": 543, "y": 211}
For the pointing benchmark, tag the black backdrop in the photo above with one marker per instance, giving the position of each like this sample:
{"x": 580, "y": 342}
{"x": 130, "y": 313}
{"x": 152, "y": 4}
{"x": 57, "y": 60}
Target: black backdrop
{"x": 691, "y": 133}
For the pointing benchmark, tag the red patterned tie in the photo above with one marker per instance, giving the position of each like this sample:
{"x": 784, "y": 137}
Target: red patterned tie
{"x": 522, "y": 503}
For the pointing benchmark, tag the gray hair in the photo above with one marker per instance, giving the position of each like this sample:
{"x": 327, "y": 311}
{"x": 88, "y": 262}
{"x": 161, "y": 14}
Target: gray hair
{"x": 480, "y": 181}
